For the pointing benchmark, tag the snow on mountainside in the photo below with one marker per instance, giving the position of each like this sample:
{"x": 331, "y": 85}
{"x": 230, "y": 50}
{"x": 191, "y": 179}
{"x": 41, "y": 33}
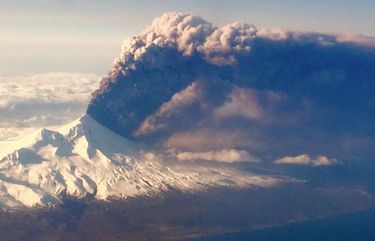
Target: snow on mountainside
{"x": 85, "y": 159}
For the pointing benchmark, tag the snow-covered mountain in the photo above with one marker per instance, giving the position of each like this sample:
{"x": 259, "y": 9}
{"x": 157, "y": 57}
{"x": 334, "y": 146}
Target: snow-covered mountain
{"x": 86, "y": 160}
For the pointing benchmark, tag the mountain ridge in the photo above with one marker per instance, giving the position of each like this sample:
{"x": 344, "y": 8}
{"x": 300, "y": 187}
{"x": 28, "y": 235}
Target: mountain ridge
{"x": 85, "y": 159}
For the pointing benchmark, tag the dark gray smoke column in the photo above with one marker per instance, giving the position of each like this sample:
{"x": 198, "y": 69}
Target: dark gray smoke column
{"x": 183, "y": 81}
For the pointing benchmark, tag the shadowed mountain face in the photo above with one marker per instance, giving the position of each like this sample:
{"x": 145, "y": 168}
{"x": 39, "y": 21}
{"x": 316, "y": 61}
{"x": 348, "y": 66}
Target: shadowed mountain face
{"x": 186, "y": 85}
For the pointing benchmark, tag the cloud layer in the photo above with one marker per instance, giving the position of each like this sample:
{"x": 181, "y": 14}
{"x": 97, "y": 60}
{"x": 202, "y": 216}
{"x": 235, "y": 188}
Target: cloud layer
{"x": 45, "y": 88}
{"x": 186, "y": 85}
{"x": 32, "y": 101}
{"x": 225, "y": 155}
{"x": 305, "y": 159}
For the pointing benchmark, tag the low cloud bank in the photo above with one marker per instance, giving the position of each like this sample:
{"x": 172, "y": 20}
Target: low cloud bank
{"x": 46, "y": 88}
{"x": 305, "y": 159}
{"x": 228, "y": 156}
{"x": 32, "y": 101}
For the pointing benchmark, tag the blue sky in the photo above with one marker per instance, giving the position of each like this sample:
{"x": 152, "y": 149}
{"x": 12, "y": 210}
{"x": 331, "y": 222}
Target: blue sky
{"x": 85, "y": 36}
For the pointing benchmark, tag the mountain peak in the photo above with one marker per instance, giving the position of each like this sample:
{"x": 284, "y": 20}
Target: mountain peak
{"x": 85, "y": 159}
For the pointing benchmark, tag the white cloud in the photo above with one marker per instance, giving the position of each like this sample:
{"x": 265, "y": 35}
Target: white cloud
{"x": 4, "y": 103}
{"x": 226, "y": 155}
{"x": 355, "y": 38}
{"x": 32, "y": 101}
{"x": 305, "y": 159}
{"x": 46, "y": 88}
{"x": 10, "y": 133}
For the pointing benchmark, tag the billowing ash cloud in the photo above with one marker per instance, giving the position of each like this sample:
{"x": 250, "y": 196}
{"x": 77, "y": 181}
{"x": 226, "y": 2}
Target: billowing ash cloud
{"x": 188, "y": 86}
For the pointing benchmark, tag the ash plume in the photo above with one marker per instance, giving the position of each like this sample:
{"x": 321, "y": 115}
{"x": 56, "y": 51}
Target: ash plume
{"x": 269, "y": 92}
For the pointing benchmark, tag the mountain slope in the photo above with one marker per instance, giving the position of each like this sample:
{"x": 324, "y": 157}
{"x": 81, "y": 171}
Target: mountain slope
{"x": 86, "y": 160}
